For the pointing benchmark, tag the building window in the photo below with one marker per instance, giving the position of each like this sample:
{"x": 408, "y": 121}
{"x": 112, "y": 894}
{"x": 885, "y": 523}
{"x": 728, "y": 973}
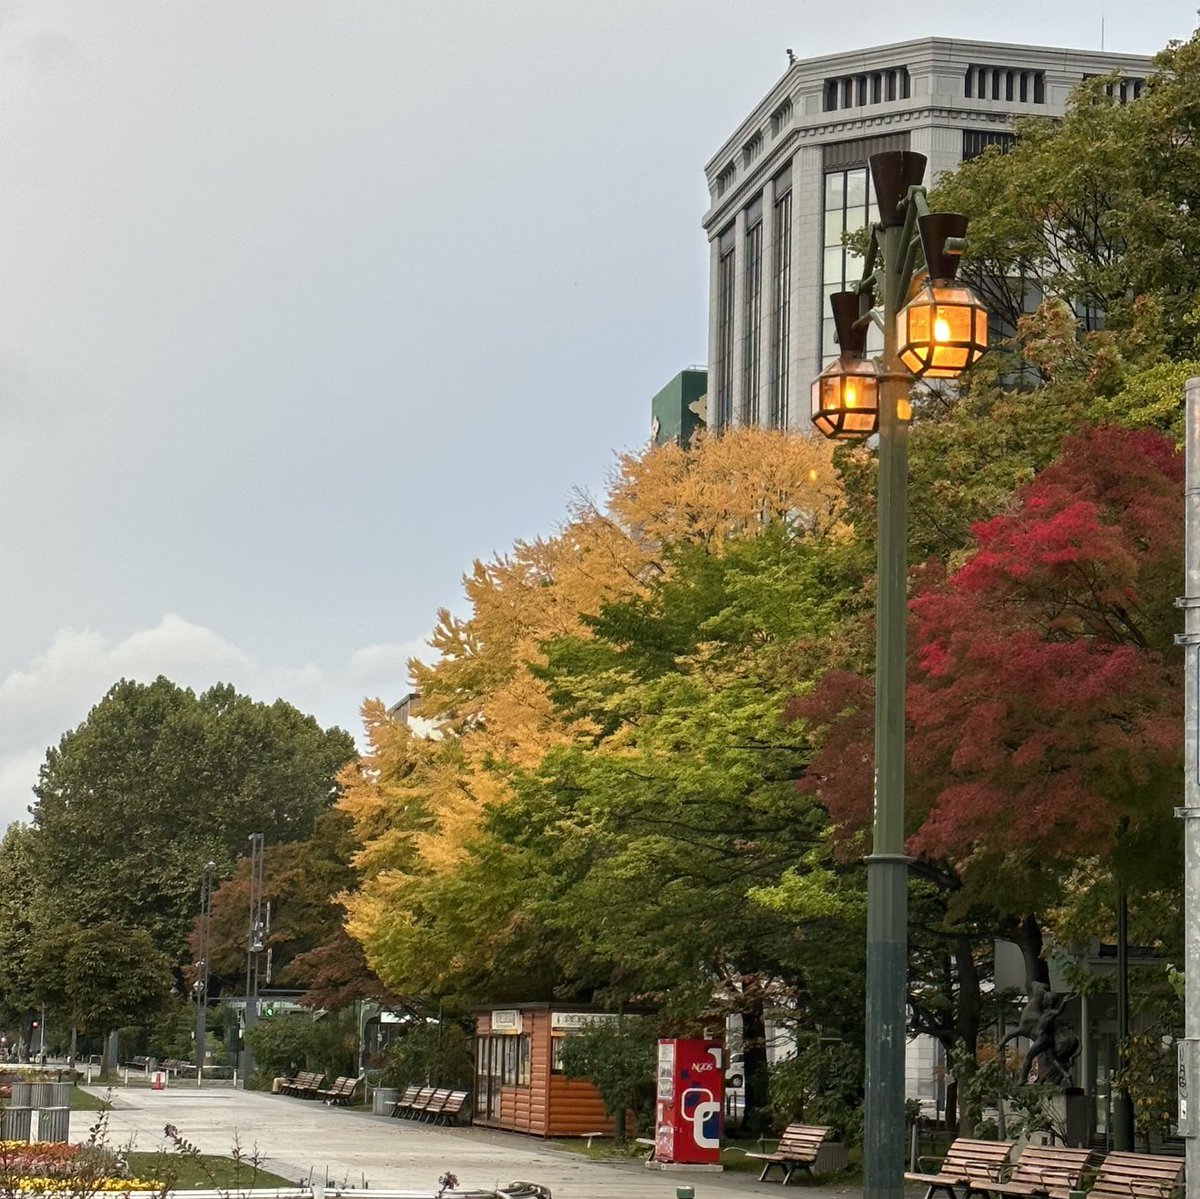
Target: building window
{"x": 752, "y": 320}
{"x": 975, "y": 141}
{"x": 1122, "y": 90}
{"x": 725, "y": 290}
{"x": 781, "y": 117}
{"x": 847, "y": 209}
{"x": 781, "y": 288}
{"x": 1004, "y": 83}
{"x": 725, "y": 178}
{"x": 752, "y": 149}
{"x": 870, "y": 87}
{"x": 514, "y": 1070}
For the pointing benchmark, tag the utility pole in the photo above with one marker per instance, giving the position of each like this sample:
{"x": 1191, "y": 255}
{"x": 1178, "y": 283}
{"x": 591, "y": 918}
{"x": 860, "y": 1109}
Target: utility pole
{"x": 255, "y": 944}
{"x": 200, "y": 986}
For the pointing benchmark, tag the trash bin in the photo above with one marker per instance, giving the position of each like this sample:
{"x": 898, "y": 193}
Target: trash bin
{"x": 382, "y": 1099}
{"x": 16, "y": 1121}
{"x": 54, "y": 1118}
{"x": 158, "y": 1080}
{"x": 1075, "y": 1101}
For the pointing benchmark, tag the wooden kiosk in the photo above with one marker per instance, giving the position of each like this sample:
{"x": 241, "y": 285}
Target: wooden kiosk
{"x": 519, "y": 1083}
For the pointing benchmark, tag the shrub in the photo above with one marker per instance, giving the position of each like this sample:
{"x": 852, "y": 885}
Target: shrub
{"x": 286, "y": 1044}
{"x": 434, "y": 1053}
{"x": 822, "y": 1084}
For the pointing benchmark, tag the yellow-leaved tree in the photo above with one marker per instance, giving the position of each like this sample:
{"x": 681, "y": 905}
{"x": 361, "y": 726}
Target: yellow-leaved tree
{"x": 432, "y": 906}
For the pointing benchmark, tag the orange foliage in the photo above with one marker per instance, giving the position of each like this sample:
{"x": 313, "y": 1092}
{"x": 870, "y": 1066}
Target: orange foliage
{"x": 416, "y": 800}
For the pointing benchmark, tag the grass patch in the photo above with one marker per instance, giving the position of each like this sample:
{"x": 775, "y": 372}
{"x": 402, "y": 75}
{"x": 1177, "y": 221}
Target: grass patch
{"x": 202, "y": 1172}
{"x": 85, "y": 1101}
{"x": 732, "y": 1158}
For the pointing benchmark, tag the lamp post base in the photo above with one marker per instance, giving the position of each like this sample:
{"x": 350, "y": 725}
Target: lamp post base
{"x": 887, "y": 992}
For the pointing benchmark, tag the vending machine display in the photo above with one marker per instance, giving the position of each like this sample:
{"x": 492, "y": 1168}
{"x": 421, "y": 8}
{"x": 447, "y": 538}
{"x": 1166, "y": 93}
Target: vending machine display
{"x": 687, "y": 1125}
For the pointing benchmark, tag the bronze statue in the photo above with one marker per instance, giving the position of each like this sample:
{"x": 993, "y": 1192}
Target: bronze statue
{"x": 1056, "y": 1045}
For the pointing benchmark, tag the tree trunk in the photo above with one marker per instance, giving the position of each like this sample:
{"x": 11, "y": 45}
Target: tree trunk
{"x": 969, "y": 1006}
{"x": 1029, "y": 938}
{"x": 754, "y": 1064}
{"x": 74, "y": 1042}
{"x": 970, "y": 999}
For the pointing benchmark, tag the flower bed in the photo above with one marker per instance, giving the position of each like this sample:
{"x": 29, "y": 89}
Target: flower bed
{"x": 48, "y": 1167}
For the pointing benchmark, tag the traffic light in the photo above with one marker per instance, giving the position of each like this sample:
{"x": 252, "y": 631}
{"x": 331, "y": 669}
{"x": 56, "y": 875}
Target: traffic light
{"x": 37, "y": 1024}
{"x": 269, "y": 1009}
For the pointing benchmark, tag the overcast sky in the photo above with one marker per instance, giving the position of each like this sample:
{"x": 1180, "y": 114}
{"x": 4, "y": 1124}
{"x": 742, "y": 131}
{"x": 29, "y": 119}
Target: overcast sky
{"x": 303, "y": 306}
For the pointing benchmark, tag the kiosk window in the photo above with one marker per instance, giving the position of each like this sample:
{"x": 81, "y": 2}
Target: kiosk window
{"x": 515, "y": 1069}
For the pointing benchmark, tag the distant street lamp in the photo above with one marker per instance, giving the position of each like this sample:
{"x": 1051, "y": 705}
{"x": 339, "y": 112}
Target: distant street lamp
{"x": 933, "y": 330}
{"x": 200, "y": 986}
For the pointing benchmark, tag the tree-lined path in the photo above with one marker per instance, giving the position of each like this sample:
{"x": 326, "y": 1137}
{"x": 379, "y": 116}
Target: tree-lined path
{"x": 296, "y": 1138}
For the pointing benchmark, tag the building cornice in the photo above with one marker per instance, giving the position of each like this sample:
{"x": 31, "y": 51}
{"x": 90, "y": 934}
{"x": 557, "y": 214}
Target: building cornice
{"x": 922, "y": 56}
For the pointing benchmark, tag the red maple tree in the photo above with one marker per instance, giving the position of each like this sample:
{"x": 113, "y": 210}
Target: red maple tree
{"x": 1044, "y": 695}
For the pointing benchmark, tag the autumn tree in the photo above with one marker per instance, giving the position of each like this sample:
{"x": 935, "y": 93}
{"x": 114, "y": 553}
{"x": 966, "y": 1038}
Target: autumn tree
{"x": 1044, "y": 700}
{"x": 416, "y": 801}
{"x": 665, "y": 761}
{"x": 306, "y": 942}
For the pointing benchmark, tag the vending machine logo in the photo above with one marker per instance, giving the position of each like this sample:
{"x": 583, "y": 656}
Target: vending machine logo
{"x": 702, "y": 1110}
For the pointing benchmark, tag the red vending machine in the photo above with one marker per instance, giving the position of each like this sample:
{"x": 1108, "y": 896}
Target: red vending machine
{"x": 691, "y": 1096}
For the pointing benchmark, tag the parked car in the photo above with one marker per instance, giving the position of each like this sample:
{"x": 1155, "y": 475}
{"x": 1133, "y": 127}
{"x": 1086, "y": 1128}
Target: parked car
{"x": 735, "y": 1072}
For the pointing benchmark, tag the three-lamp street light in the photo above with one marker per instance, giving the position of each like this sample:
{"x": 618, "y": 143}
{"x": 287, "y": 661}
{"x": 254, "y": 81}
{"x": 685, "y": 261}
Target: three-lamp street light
{"x": 933, "y": 328}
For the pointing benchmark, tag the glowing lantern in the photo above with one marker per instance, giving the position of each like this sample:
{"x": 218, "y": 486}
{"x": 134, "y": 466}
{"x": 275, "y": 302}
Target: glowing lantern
{"x": 943, "y": 329}
{"x": 845, "y": 395}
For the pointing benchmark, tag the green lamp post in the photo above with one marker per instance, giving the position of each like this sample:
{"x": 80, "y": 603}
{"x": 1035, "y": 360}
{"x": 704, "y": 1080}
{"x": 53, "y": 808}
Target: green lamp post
{"x": 933, "y": 327}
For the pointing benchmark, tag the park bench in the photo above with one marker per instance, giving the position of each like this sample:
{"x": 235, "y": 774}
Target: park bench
{"x": 434, "y": 1105}
{"x": 174, "y": 1065}
{"x": 1138, "y": 1176}
{"x": 305, "y": 1085}
{"x": 1041, "y": 1170}
{"x": 416, "y": 1106}
{"x": 452, "y": 1108}
{"x": 969, "y": 1163}
{"x": 286, "y": 1087}
{"x": 138, "y": 1063}
{"x": 443, "y": 1107}
{"x": 401, "y": 1105}
{"x": 798, "y": 1149}
{"x": 340, "y": 1093}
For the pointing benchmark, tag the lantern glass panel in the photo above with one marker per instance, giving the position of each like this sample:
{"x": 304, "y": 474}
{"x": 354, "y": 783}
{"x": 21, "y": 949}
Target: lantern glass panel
{"x": 942, "y": 330}
{"x": 845, "y": 398}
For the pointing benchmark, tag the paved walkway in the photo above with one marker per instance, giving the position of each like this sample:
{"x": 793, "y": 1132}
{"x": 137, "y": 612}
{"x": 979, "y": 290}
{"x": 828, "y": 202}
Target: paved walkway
{"x": 299, "y": 1139}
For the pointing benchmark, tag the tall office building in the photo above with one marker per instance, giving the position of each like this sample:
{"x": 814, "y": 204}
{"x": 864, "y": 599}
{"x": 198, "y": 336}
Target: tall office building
{"x": 793, "y": 177}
